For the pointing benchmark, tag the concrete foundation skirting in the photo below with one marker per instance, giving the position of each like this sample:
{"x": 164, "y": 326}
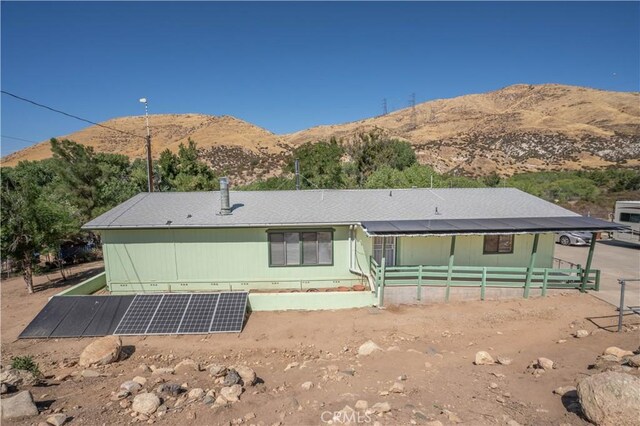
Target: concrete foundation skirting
{"x": 407, "y": 295}
{"x": 310, "y": 301}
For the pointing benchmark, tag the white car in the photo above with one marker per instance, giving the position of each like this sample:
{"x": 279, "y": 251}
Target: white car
{"x": 573, "y": 238}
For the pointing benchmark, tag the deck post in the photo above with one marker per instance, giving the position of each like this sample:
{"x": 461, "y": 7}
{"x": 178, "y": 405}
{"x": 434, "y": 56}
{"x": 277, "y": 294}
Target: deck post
{"x": 382, "y": 273}
{"x": 545, "y": 281}
{"x": 532, "y": 262}
{"x": 483, "y": 283}
{"x": 450, "y": 268}
{"x": 419, "y": 295}
{"x": 587, "y": 268}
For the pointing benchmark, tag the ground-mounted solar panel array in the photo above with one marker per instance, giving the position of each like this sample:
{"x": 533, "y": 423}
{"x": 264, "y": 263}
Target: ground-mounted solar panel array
{"x": 142, "y": 314}
{"x": 196, "y": 313}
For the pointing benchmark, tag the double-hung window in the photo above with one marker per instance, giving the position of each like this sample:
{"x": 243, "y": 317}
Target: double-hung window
{"x": 300, "y": 248}
{"x": 498, "y": 244}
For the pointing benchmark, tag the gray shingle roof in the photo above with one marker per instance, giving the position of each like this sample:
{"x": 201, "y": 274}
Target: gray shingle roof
{"x": 315, "y": 207}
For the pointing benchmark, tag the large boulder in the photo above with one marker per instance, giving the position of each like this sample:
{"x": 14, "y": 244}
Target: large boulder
{"x": 231, "y": 393}
{"x": 610, "y": 399}
{"x": 21, "y": 405}
{"x": 101, "y": 352}
{"x": 483, "y": 358}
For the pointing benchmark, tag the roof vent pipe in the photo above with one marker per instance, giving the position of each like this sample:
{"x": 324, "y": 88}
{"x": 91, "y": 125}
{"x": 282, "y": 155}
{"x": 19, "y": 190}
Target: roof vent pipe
{"x": 225, "y": 208}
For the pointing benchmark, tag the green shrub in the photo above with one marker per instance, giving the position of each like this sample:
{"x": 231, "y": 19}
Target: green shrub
{"x": 26, "y": 363}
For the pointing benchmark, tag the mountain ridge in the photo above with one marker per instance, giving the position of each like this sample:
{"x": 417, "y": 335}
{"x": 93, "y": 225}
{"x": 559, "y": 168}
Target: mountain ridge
{"x": 515, "y": 129}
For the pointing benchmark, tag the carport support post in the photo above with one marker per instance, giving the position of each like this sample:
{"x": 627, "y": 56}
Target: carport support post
{"x": 587, "y": 268}
{"x": 532, "y": 263}
{"x": 382, "y": 273}
{"x": 450, "y": 269}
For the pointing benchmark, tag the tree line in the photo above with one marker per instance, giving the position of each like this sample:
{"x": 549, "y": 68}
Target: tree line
{"x": 44, "y": 203}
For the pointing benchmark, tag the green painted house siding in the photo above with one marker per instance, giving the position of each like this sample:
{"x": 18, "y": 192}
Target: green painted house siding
{"x": 194, "y": 258}
{"x": 469, "y": 251}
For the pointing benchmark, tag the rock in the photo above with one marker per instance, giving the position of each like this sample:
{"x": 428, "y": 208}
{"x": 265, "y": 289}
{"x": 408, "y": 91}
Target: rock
{"x": 88, "y": 374}
{"x": 362, "y": 405}
{"x": 220, "y": 401}
{"x": 513, "y": 423}
{"x": 187, "y": 365}
{"x": 4, "y": 388}
{"x": 493, "y": 385}
{"x": 434, "y": 423}
{"x": 380, "y": 407}
{"x": 402, "y": 377}
{"x": 307, "y": 385}
{"x": 564, "y": 390}
{"x": 610, "y": 398}
{"x": 196, "y": 393}
{"x": 483, "y": 358}
{"x": 581, "y": 333}
{"x": 615, "y": 351}
{"x": 503, "y": 360}
{"x": 121, "y": 394}
{"x": 14, "y": 378}
{"x": 291, "y": 365}
{"x": 249, "y": 416}
{"x": 101, "y": 352}
{"x": 453, "y": 417}
{"x": 217, "y": 370}
{"x": 161, "y": 371}
{"x": 634, "y": 361}
{"x": 544, "y": 363}
{"x": 231, "y": 393}
{"x": 131, "y": 386}
{"x": 232, "y": 378}
{"x": 397, "y": 388}
{"x": 20, "y": 405}
{"x": 57, "y": 419}
{"x": 140, "y": 379}
{"x": 172, "y": 389}
{"x": 247, "y": 375}
{"x": 145, "y": 403}
{"x": 368, "y": 348}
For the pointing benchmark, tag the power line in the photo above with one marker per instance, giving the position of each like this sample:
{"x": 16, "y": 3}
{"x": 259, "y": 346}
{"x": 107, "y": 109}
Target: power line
{"x": 69, "y": 115}
{"x": 17, "y": 139}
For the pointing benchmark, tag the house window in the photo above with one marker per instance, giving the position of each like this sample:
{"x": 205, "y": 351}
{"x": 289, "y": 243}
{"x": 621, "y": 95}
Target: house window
{"x": 384, "y": 247}
{"x": 630, "y": 217}
{"x": 300, "y": 248}
{"x": 495, "y": 244}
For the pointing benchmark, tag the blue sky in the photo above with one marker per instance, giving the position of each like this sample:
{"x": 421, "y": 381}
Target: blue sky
{"x": 289, "y": 66}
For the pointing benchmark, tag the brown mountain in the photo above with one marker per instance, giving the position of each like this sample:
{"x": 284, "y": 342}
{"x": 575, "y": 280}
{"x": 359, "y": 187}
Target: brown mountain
{"x": 518, "y": 128}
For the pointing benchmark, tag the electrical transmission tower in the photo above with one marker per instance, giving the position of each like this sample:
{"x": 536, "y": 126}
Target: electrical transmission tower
{"x": 385, "y": 111}
{"x": 414, "y": 114}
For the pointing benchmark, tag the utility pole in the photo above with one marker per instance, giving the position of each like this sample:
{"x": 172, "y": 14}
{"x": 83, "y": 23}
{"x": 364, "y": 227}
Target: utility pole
{"x": 384, "y": 107}
{"x": 297, "y": 169}
{"x": 148, "y": 139}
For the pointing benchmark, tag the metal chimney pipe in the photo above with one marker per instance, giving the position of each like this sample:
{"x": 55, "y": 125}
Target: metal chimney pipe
{"x": 225, "y": 208}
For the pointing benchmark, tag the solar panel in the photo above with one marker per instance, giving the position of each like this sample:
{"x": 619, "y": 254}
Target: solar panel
{"x": 169, "y": 314}
{"x": 139, "y": 315}
{"x": 229, "y": 315}
{"x": 199, "y": 313}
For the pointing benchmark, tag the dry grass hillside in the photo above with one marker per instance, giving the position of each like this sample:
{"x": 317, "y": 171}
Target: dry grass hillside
{"x": 515, "y": 129}
{"x": 518, "y": 128}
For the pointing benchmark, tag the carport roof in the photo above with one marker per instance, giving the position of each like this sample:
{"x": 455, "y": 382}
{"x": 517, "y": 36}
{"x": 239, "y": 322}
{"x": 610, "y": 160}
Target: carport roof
{"x": 487, "y": 226}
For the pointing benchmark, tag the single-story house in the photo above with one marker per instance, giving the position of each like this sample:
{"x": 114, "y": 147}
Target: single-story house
{"x": 319, "y": 240}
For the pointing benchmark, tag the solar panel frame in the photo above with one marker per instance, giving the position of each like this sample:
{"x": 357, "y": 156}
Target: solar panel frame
{"x": 226, "y": 319}
{"x": 149, "y": 304}
{"x": 193, "y": 313}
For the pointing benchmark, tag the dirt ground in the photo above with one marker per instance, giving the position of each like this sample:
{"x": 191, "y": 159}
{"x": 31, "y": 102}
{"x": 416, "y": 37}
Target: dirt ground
{"x": 434, "y": 346}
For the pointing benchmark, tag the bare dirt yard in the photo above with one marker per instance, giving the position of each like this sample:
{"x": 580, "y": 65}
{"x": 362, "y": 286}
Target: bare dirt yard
{"x": 425, "y": 369}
